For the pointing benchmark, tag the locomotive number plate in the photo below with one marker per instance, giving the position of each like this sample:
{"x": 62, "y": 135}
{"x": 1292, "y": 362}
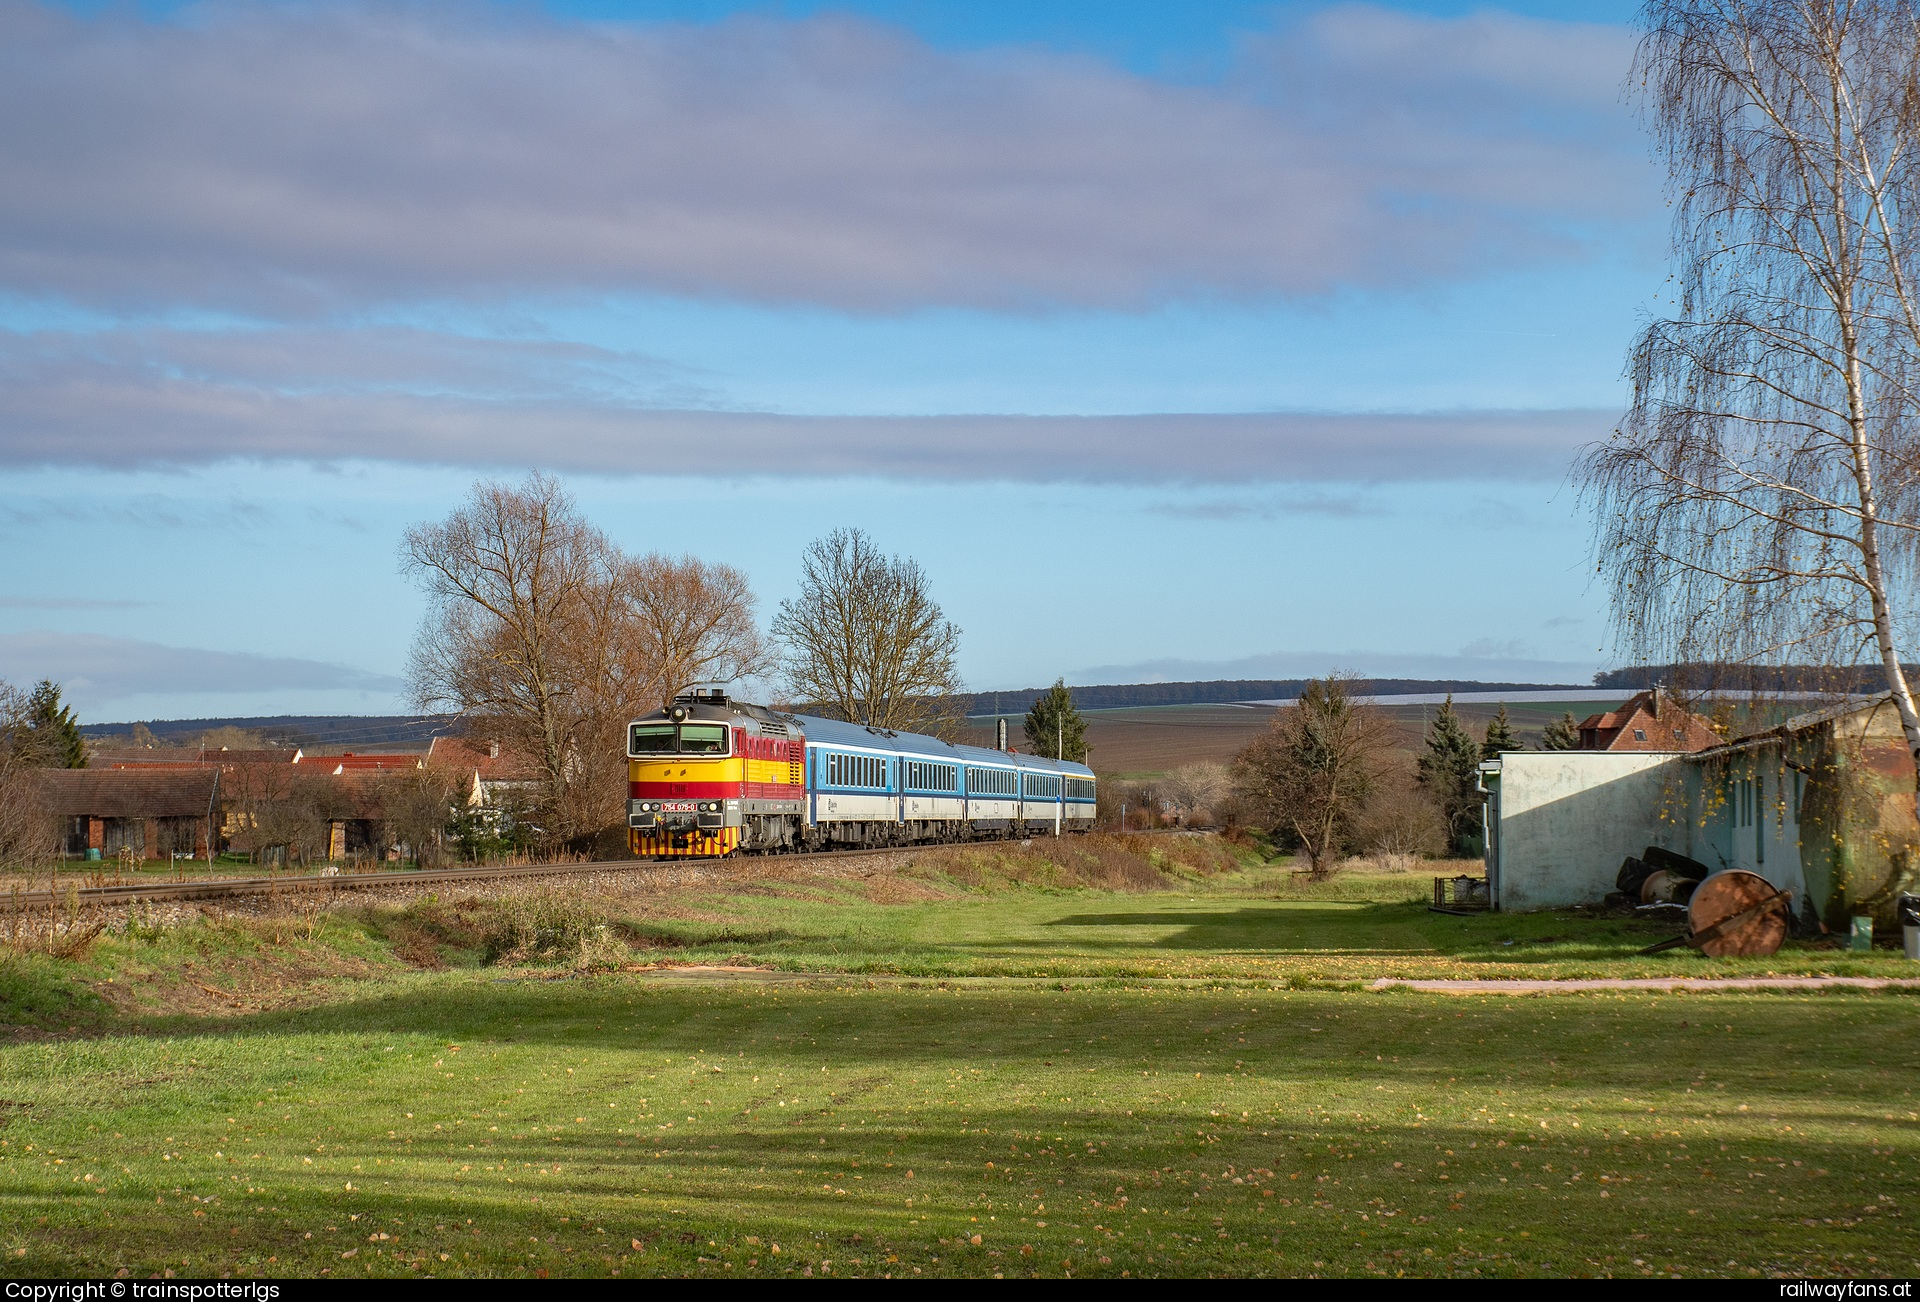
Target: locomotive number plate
{"x": 676, "y": 807}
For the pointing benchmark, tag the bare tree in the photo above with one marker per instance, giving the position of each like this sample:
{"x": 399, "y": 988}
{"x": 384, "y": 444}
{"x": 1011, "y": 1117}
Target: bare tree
{"x": 1315, "y": 768}
{"x": 866, "y": 641}
{"x": 1400, "y": 822}
{"x": 1760, "y": 497}
{"x": 545, "y": 630}
{"x": 418, "y": 806}
{"x": 1196, "y": 787}
{"x": 688, "y": 621}
{"x": 516, "y": 578}
{"x": 29, "y": 835}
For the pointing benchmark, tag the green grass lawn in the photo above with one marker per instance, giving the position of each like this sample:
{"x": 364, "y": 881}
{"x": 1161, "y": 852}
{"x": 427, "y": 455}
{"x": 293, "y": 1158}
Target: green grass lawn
{"x": 456, "y": 1124}
{"x": 296, "y": 1096}
{"x": 1255, "y": 923}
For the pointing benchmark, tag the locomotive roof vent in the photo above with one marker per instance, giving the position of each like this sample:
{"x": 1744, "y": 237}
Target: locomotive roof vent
{"x": 703, "y": 696}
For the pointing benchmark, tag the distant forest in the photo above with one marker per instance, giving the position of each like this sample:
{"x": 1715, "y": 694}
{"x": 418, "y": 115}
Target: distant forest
{"x": 347, "y": 730}
{"x": 1709, "y": 677}
{"x": 311, "y": 730}
{"x": 1123, "y": 696}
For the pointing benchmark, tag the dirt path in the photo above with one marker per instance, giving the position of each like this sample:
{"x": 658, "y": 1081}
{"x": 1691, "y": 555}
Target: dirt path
{"x": 727, "y": 972}
{"x": 1520, "y": 987}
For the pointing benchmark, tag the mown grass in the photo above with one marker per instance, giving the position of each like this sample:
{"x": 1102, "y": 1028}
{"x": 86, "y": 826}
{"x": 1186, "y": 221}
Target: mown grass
{"x": 453, "y": 1124}
{"x": 985, "y": 914}
{"x": 462, "y": 1087}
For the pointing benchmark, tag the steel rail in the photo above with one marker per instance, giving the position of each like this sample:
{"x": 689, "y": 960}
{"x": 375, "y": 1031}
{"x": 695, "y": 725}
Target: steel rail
{"x": 217, "y": 887}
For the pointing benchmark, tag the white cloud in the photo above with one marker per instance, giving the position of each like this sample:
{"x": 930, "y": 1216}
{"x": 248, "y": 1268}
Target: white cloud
{"x": 158, "y": 398}
{"x": 298, "y": 158}
{"x": 96, "y": 671}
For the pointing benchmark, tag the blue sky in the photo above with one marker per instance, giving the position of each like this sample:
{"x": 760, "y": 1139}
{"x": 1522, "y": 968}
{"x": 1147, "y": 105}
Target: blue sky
{"x": 1276, "y": 326}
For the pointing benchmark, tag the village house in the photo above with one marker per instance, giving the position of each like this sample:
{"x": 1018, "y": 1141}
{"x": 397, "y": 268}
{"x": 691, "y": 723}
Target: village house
{"x": 491, "y": 776}
{"x": 1651, "y": 721}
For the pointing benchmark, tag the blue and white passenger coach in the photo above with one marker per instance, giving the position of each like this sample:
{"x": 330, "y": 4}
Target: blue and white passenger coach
{"x": 696, "y": 786}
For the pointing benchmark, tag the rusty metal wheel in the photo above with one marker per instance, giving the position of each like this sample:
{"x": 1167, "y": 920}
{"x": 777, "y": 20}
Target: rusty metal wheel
{"x": 1738, "y": 912}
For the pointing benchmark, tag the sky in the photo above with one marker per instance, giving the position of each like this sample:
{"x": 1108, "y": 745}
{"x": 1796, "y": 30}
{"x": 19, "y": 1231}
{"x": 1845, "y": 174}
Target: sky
{"x": 1173, "y": 341}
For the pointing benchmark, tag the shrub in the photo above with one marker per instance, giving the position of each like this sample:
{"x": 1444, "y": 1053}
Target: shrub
{"x": 541, "y": 927}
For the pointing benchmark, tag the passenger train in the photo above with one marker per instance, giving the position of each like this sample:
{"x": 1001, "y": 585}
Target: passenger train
{"x": 709, "y": 776}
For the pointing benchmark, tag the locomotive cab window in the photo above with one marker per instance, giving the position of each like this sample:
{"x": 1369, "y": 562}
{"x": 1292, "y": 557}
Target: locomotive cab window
{"x": 651, "y": 739}
{"x": 687, "y": 739}
{"x": 703, "y": 738}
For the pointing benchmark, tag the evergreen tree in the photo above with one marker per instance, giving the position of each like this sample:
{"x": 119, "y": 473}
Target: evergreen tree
{"x": 1499, "y": 735}
{"x": 1450, "y": 772}
{"x": 53, "y": 734}
{"x": 1053, "y": 726}
{"x": 1562, "y": 734}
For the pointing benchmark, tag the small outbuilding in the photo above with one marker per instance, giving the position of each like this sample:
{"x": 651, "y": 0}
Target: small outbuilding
{"x": 1821, "y": 806}
{"x": 152, "y": 813}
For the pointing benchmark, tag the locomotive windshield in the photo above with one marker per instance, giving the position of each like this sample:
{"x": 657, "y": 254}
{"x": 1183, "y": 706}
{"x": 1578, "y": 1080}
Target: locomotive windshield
{"x": 687, "y": 739}
{"x": 651, "y": 739}
{"x": 703, "y": 739}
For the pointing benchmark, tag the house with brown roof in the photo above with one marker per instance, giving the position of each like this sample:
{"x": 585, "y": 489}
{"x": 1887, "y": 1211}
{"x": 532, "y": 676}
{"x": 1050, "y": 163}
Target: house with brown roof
{"x": 489, "y": 772}
{"x": 1651, "y": 721}
{"x": 150, "y": 813}
{"x": 174, "y": 757}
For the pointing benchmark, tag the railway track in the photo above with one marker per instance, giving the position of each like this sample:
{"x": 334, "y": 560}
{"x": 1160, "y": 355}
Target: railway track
{"x": 226, "y": 887}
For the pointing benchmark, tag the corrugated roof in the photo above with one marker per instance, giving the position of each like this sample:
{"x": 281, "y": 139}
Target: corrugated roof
{"x": 1798, "y": 723}
{"x": 128, "y": 793}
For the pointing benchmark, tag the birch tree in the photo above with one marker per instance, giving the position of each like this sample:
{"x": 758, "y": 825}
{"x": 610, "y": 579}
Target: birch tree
{"x": 1759, "y": 499}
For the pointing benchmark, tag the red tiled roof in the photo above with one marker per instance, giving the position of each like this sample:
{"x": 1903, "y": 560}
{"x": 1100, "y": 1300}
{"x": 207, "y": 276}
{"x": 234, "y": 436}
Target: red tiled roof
{"x": 492, "y": 761}
{"x": 181, "y": 756}
{"x": 351, "y": 763}
{"x": 1651, "y": 721}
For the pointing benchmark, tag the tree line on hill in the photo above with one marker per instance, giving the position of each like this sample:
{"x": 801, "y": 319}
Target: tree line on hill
{"x": 1692, "y": 678}
{"x": 1225, "y": 691}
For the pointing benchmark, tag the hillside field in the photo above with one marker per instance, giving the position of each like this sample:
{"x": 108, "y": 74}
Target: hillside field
{"x": 1148, "y": 742}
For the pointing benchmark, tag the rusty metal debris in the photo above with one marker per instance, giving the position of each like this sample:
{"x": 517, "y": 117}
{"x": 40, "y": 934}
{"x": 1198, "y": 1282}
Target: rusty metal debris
{"x": 1734, "y": 913}
{"x": 1656, "y": 876}
{"x": 1461, "y": 895}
